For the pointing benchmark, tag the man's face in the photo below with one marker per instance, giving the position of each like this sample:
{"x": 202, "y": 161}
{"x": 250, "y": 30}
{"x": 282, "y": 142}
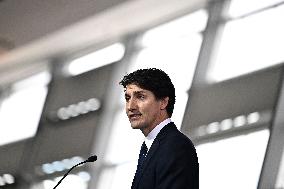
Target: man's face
{"x": 142, "y": 108}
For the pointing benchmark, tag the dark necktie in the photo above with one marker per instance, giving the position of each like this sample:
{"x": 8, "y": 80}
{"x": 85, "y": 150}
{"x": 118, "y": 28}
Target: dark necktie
{"x": 142, "y": 157}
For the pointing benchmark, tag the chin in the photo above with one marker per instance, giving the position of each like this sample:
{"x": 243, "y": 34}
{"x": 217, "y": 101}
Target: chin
{"x": 136, "y": 126}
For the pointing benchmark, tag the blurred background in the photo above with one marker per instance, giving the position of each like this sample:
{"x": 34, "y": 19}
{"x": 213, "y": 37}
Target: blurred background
{"x": 60, "y": 102}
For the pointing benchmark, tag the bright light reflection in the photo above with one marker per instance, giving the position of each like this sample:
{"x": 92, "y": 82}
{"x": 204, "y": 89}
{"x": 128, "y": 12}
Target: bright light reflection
{"x": 21, "y": 110}
{"x": 240, "y": 121}
{"x": 221, "y": 162}
{"x": 67, "y": 163}
{"x": 124, "y": 175}
{"x": 58, "y": 166}
{"x": 48, "y": 168}
{"x": 253, "y": 117}
{"x": 280, "y": 177}
{"x": 178, "y": 60}
{"x": 213, "y": 127}
{"x": 38, "y": 80}
{"x": 97, "y": 59}
{"x": 124, "y": 142}
{"x": 2, "y": 182}
{"x": 201, "y": 130}
{"x": 249, "y": 44}
{"x": 179, "y": 28}
{"x": 106, "y": 178}
{"x": 118, "y": 177}
{"x": 226, "y": 124}
{"x": 85, "y": 176}
{"x": 71, "y": 181}
{"x": 75, "y": 160}
{"x": 9, "y": 178}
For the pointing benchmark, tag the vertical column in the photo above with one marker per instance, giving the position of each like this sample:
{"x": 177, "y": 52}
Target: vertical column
{"x": 214, "y": 28}
{"x": 211, "y": 35}
{"x": 275, "y": 145}
{"x": 111, "y": 106}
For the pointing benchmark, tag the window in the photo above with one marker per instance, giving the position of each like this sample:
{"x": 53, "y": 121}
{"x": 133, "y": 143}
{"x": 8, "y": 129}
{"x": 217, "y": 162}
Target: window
{"x": 21, "y": 109}
{"x": 174, "y": 47}
{"x": 249, "y": 44}
{"x": 232, "y": 163}
{"x": 119, "y": 176}
{"x": 124, "y": 142}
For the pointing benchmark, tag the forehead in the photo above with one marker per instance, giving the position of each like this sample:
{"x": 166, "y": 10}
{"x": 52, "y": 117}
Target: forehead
{"x": 132, "y": 88}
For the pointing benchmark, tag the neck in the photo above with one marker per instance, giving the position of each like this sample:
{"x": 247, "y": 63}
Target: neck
{"x": 147, "y": 130}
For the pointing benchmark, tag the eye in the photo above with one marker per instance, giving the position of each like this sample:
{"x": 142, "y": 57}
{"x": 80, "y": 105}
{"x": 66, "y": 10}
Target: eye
{"x": 127, "y": 98}
{"x": 141, "y": 97}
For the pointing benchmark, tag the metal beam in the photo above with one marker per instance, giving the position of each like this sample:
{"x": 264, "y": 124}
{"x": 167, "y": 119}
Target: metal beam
{"x": 111, "y": 107}
{"x": 274, "y": 150}
{"x": 211, "y": 34}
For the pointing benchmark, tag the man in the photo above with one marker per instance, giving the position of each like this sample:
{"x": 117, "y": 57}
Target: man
{"x": 167, "y": 158}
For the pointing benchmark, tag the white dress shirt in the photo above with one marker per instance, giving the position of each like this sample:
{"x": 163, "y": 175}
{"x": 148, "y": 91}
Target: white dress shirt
{"x": 153, "y": 134}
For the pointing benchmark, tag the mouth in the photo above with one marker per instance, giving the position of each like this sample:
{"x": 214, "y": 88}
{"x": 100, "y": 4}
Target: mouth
{"x": 134, "y": 116}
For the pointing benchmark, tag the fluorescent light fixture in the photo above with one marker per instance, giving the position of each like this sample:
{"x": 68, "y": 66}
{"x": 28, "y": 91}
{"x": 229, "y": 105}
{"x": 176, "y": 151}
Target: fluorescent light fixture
{"x": 60, "y": 165}
{"x": 7, "y": 179}
{"x": 97, "y": 59}
{"x": 80, "y": 108}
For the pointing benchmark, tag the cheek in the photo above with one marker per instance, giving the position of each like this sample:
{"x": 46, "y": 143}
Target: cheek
{"x": 149, "y": 110}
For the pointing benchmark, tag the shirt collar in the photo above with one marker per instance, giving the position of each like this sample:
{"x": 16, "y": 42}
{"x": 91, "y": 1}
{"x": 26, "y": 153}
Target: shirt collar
{"x": 153, "y": 134}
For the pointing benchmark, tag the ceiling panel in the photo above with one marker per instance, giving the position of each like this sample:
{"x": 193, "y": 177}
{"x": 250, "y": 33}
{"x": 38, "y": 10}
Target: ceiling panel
{"x": 253, "y": 92}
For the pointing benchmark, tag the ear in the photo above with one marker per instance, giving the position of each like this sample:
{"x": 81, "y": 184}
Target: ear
{"x": 164, "y": 103}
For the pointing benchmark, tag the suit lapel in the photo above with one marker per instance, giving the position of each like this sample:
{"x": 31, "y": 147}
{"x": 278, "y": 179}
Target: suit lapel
{"x": 153, "y": 149}
{"x": 151, "y": 152}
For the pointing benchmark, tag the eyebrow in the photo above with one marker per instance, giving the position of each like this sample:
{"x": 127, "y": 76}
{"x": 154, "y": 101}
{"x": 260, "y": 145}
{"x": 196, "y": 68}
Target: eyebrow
{"x": 139, "y": 92}
{"x": 136, "y": 92}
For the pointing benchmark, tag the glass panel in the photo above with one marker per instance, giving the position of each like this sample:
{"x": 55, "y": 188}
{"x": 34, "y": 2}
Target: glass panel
{"x": 280, "y": 177}
{"x": 249, "y": 44}
{"x": 120, "y": 176}
{"x": 241, "y": 7}
{"x": 232, "y": 163}
{"x": 124, "y": 142}
{"x": 179, "y": 28}
{"x": 174, "y": 48}
{"x": 78, "y": 181}
{"x": 124, "y": 175}
{"x": 178, "y": 59}
{"x": 21, "y": 110}
{"x": 106, "y": 178}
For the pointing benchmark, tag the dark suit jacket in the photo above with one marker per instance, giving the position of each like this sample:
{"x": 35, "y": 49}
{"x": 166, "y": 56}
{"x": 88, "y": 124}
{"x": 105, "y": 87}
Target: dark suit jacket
{"x": 171, "y": 162}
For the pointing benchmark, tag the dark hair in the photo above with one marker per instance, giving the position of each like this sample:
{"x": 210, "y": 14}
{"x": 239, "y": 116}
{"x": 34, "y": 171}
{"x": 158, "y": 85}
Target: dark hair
{"x": 154, "y": 80}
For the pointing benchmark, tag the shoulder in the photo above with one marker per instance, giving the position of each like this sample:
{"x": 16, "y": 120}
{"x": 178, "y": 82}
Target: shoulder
{"x": 174, "y": 142}
{"x": 171, "y": 135}
{"x": 176, "y": 153}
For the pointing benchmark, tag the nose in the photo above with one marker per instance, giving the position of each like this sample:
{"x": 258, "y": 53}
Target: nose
{"x": 131, "y": 104}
